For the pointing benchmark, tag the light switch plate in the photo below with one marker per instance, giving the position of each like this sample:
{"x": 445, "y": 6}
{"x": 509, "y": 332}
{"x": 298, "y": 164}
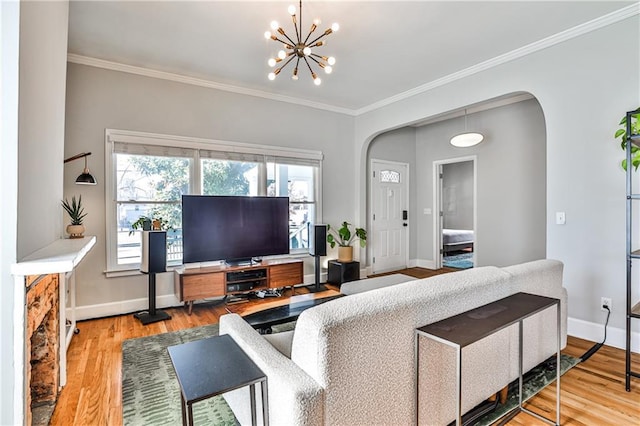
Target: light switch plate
{"x": 560, "y": 218}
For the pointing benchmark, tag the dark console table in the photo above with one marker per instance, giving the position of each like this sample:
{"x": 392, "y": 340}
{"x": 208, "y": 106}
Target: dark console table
{"x": 213, "y": 366}
{"x": 342, "y": 272}
{"x": 469, "y": 327}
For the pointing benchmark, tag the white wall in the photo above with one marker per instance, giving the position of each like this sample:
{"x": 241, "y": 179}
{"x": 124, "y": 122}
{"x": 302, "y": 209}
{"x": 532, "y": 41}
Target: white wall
{"x": 584, "y": 86}
{"x": 43, "y": 68}
{"x": 99, "y": 99}
{"x": 9, "y": 77}
{"x": 511, "y": 181}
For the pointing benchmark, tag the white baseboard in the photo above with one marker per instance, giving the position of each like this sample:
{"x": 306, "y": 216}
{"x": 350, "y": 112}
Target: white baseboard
{"x": 616, "y": 337}
{"x": 421, "y": 263}
{"x": 135, "y": 305}
{"x": 124, "y": 307}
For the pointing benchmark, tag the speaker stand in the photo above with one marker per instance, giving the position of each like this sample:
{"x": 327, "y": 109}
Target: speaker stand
{"x": 317, "y": 286}
{"x": 152, "y": 315}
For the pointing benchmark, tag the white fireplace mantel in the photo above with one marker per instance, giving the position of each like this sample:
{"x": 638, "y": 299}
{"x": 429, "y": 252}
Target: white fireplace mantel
{"x": 60, "y": 257}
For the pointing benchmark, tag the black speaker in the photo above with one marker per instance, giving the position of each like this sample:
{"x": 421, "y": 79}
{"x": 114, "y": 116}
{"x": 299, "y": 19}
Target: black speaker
{"x": 317, "y": 239}
{"x": 154, "y": 252}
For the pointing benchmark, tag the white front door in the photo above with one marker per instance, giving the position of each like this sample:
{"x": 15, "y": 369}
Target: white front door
{"x": 389, "y": 215}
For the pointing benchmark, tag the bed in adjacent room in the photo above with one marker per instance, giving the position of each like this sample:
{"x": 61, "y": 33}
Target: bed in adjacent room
{"x": 457, "y": 239}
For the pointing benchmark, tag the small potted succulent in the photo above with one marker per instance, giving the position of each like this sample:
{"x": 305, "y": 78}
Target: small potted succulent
{"x": 76, "y": 214}
{"x": 344, "y": 237}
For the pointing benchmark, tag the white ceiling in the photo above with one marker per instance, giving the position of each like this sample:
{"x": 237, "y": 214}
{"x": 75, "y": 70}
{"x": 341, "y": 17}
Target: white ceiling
{"x": 383, "y": 48}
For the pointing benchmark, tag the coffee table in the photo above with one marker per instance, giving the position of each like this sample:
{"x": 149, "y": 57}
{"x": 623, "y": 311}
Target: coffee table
{"x": 264, "y": 320}
{"x": 213, "y": 366}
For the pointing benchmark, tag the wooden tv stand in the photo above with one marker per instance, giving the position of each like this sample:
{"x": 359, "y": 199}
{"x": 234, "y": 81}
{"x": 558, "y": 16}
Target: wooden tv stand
{"x": 192, "y": 284}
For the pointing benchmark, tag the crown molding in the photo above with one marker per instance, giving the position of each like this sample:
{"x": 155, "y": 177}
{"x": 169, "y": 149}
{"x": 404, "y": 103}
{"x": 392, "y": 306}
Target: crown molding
{"x": 587, "y": 27}
{"x": 179, "y": 78}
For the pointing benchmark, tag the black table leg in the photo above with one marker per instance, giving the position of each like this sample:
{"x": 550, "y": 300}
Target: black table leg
{"x": 183, "y": 409}
{"x": 252, "y": 393}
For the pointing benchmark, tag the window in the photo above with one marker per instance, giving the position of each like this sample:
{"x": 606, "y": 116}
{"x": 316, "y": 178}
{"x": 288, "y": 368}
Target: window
{"x": 150, "y": 173}
{"x": 297, "y": 183}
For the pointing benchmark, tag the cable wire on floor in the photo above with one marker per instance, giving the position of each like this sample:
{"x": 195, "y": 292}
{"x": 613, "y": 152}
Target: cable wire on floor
{"x": 597, "y": 346}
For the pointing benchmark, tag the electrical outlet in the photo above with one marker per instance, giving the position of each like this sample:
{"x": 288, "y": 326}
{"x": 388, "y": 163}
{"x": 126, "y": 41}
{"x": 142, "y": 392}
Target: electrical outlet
{"x": 605, "y": 301}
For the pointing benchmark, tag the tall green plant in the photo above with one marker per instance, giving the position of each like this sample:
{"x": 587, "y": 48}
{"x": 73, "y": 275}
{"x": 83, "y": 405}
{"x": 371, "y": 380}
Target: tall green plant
{"x": 343, "y": 236}
{"x": 74, "y": 209}
{"x": 622, "y": 134}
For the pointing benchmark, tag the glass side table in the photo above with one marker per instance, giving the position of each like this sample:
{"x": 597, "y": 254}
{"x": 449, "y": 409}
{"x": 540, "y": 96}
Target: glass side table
{"x": 469, "y": 327}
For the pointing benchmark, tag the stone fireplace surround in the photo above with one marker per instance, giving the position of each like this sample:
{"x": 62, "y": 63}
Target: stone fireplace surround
{"x": 42, "y": 344}
{"x": 43, "y": 280}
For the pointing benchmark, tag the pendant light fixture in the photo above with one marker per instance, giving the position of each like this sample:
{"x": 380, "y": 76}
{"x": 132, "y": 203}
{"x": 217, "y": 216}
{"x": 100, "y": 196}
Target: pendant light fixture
{"x": 300, "y": 48}
{"x": 466, "y": 139}
{"x": 85, "y": 178}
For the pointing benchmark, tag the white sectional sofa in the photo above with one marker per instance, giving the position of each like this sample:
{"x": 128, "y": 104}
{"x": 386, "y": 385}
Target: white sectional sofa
{"x": 351, "y": 361}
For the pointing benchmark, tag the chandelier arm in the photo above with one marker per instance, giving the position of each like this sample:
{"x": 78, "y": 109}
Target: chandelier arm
{"x": 285, "y": 34}
{"x": 295, "y": 70}
{"x": 308, "y": 66}
{"x": 295, "y": 26}
{"x": 321, "y": 36}
{"x": 315, "y": 60}
{"x": 274, "y": 38}
{"x": 287, "y": 62}
{"x": 313, "y": 28}
{"x": 317, "y": 56}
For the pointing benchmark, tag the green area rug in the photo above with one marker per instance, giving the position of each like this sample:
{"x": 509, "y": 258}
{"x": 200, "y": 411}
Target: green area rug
{"x": 150, "y": 389}
{"x": 532, "y": 382}
{"x": 151, "y": 394}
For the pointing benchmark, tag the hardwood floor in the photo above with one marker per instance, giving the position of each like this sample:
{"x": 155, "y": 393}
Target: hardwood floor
{"x": 592, "y": 392}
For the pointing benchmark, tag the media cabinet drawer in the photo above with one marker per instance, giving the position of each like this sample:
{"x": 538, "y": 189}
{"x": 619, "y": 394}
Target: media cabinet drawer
{"x": 201, "y": 286}
{"x": 287, "y": 274}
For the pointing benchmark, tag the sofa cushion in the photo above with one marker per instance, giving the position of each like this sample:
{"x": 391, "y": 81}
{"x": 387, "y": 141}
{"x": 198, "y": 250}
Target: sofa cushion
{"x": 281, "y": 341}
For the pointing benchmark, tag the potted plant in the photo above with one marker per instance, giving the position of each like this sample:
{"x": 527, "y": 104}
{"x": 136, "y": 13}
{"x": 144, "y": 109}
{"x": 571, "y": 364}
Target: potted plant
{"x": 150, "y": 224}
{"x": 76, "y": 214}
{"x": 344, "y": 237}
{"x": 622, "y": 134}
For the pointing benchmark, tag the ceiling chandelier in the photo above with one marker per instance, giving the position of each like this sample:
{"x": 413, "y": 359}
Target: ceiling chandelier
{"x": 300, "y": 49}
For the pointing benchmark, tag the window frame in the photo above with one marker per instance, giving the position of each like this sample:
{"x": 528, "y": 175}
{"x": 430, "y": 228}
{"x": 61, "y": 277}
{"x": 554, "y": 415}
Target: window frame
{"x": 215, "y": 148}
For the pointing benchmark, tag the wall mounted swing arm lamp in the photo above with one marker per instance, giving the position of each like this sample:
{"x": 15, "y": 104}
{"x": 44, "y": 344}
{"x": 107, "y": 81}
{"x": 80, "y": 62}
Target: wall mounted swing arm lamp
{"x": 85, "y": 178}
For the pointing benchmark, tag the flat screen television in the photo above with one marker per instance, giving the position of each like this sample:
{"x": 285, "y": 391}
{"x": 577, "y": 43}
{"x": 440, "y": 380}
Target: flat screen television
{"x": 233, "y": 228}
